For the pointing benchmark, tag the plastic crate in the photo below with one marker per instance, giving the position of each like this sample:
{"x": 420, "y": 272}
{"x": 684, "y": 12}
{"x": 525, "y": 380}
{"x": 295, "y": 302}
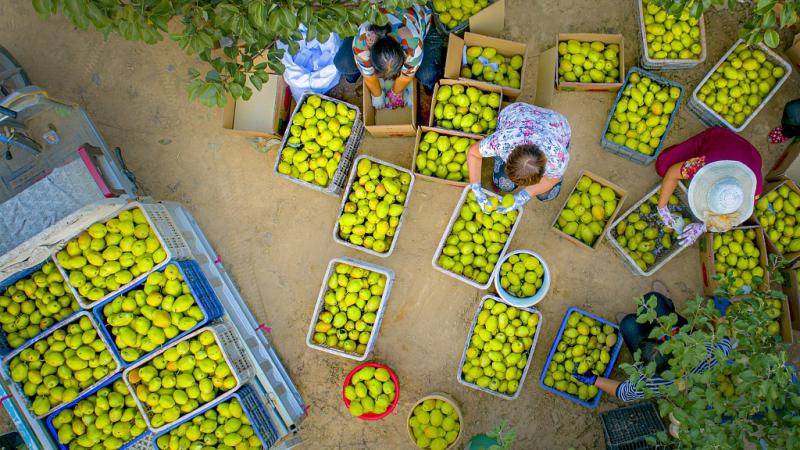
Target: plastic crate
{"x": 682, "y": 194}
{"x": 337, "y": 183}
{"x": 626, "y": 428}
{"x": 252, "y": 407}
{"x": 16, "y": 389}
{"x": 625, "y": 152}
{"x": 459, "y": 375}
{"x": 349, "y": 185}
{"x": 5, "y": 284}
{"x": 70, "y": 405}
{"x": 669, "y": 64}
{"x": 388, "y": 273}
{"x": 609, "y": 368}
{"x": 232, "y": 351}
{"x": 200, "y": 289}
{"x": 453, "y": 219}
{"x": 165, "y": 230}
{"x": 709, "y": 117}
{"x": 458, "y": 29}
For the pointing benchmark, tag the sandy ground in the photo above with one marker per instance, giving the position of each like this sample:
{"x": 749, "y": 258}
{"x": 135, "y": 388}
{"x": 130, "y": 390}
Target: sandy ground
{"x": 275, "y": 236}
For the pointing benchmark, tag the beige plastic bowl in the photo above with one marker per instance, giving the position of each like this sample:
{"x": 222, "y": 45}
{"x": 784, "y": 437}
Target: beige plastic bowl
{"x": 437, "y": 396}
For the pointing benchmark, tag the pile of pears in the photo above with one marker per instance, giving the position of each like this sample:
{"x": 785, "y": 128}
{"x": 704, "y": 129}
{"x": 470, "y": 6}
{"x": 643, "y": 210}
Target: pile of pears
{"x": 642, "y": 235}
{"x": 109, "y": 255}
{"x": 508, "y": 69}
{"x": 107, "y": 419}
{"x": 350, "y": 310}
{"x": 639, "y": 120}
{"x": 499, "y": 347}
{"x": 587, "y": 211}
{"x": 671, "y": 37}
{"x": 454, "y": 12}
{"x": 35, "y": 303}
{"x": 736, "y": 253}
{"x": 474, "y": 243}
{"x": 375, "y": 203}
{"x": 739, "y": 85}
{"x": 371, "y": 390}
{"x": 317, "y": 138}
{"x": 443, "y": 156}
{"x": 435, "y": 424}
{"x": 56, "y": 369}
{"x": 778, "y": 212}
{"x": 183, "y": 377}
{"x": 588, "y": 62}
{"x": 466, "y": 108}
{"x": 145, "y": 318}
{"x": 226, "y": 426}
{"x": 585, "y": 346}
{"x": 521, "y": 275}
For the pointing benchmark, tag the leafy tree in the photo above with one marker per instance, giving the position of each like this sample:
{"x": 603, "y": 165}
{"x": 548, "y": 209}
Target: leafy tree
{"x": 747, "y": 397}
{"x": 236, "y": 38}
{"x": 764, "y": 17}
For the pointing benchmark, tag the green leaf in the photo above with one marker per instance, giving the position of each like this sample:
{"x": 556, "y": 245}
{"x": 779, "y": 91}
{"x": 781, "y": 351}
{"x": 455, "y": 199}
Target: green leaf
{"x": 256, "y": 82}
{"x": 42, "y": 7}
{"x": 236, "y": 90}
{"x": 771, "y": 38}
{"x": 193, "y": 73}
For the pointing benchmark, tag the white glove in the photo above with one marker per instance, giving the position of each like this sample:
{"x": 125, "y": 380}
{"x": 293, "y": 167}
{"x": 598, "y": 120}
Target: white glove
{"x": 378, "y": 102}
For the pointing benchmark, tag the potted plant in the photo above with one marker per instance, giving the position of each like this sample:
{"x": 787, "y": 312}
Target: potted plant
{"x": 501, "y": 438}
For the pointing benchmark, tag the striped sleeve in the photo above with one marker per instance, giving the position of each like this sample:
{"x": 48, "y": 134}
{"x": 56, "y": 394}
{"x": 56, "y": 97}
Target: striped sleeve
{"x": 627, "y": 392}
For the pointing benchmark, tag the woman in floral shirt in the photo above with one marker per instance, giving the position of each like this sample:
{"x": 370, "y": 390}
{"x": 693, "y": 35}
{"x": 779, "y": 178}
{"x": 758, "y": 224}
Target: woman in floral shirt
{"x": 407, "y": 47}
{"x": 530, "y": 148}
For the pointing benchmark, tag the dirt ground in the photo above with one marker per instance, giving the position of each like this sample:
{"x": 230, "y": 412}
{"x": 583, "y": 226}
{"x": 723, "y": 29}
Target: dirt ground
{"x": 275, "y": 236}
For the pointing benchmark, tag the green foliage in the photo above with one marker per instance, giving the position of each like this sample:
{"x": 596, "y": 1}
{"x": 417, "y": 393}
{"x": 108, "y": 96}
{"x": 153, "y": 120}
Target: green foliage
{"x": 236, "y": 38}
{"x": 747, "y": 397}
{"x": 503, "y": 435}
{"x": 763, "y": 18}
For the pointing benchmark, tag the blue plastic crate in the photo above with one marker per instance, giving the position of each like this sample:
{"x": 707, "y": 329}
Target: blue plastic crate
{"x": 198, "y": 285}
{"x": 251, "y": 406}
{"x": 109, "y": 382}
{"x": 610, "y": 368}
{"x": 625, "y": 152}
{"x": 5, "y": 349}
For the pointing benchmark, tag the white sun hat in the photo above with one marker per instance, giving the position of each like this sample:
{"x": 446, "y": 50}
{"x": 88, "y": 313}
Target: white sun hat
{"x": 722, "y": 194}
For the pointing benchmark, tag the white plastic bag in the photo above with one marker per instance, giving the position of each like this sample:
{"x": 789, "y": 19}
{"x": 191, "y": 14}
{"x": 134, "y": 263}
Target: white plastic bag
{"x": 312, "y": 68}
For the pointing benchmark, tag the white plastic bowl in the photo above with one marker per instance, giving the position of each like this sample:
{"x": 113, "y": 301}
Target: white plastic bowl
{"x": 528, "y": 301}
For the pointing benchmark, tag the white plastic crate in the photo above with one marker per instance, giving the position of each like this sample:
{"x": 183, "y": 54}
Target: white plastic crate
{"x": 388, "y": 273}
{"x": 669, "y": 64}
{"x": 349, "y": 185}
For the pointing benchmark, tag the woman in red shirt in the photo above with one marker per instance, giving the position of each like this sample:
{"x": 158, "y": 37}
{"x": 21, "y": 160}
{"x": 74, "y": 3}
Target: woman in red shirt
{"x": 725, "y": 180}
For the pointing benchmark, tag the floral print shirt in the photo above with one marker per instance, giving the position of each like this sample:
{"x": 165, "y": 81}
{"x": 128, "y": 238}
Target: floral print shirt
{"x": 409, "y": 28}
{"x": 524, "y": 124}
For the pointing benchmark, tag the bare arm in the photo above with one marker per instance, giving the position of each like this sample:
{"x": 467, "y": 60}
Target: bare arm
{"x": 374, "y": 85}
{"x": 475, "y": 163}
{"x": 400, "y": 84}
{"x": 544, "y": 185}
{"x": 607, "y": 385}
{"x": 669, "y": 183}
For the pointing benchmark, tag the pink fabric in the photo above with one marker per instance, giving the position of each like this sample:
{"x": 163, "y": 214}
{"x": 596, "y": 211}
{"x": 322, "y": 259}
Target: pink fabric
{"x": 714, "y": 144}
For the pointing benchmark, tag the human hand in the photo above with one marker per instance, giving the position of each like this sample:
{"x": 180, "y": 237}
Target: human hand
{"x": 587, "y": 378}
{"x": 666, "y": 217}
{"x": 520, "y": 199}
{"x": 395, "y": 100}
{"x": 378, "y": 102}
{"x": 480, "y": 197}
{"x": 691, "y": 233}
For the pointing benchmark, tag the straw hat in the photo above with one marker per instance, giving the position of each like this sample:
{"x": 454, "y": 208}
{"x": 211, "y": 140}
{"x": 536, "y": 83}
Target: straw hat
{"x": 722, "y": 194}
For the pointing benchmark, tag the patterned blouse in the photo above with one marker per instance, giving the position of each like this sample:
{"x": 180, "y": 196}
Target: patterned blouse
{"x": 409, "y": 29}
{"x": 524, "y": 124}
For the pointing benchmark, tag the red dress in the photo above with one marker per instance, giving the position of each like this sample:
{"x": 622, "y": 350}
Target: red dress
{"x": 713, "y": 144}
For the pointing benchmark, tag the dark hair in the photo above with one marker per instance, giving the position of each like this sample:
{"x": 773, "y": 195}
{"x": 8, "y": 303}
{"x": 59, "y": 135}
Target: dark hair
{"x": 651, "y": 353}
{"x": 387, "y": 54}
{"x": 525, "y": 165}
{"x": 791, "y": 119}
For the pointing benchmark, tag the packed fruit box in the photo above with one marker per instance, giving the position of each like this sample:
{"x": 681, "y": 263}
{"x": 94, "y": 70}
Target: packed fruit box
{"x": 670, "y": 42}
{"x": 452, "y": 16}
{"x": 740, "y": 252}
{"x": 589, "y": 210}
{"x": 499, "y": 349}
{"x": 166, "y": 306}
{"x": 646, "y": 247}
{"x": 320, "y": 143}
{"x": 791, "y": 287}
{"x": 487, "y": 61}
{"x": 642, "y": 115}
{"x": 735, "y": 90}
{"x": 350, "y": 308}
{"x": 474, "y": 242}
{"x": 590, "y": 62}
{"x": 585, "y": 343}
{"x": 461, "y": 106}
{"x": 441, "y": 155}
{"x": 778, "y": 212}
{"x": 373, "y": 208}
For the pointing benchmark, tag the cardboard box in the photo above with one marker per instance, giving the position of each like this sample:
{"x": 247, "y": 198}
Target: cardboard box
{"x": 421, "y": 131}
{"x": 391, "y": 122}
{"x": 793, "y": 52}
{"x": 787, "y": 166}
{"x": 789, "y": 257}
{"x": 592, "y": 87}
{"x": 792, "y": 291}
{"x": 264, "y": 115}
{"x": 621, "y": 193}
{"x": 468, "y": 83}
{"x": 490, "y": 21}
{"x": 455, "y": 50}
{"x": 708, "y": 264}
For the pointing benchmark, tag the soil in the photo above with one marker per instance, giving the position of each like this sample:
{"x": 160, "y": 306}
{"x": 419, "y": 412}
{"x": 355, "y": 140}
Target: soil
{"x": 275, "y": 236}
